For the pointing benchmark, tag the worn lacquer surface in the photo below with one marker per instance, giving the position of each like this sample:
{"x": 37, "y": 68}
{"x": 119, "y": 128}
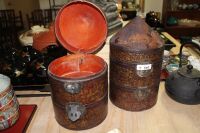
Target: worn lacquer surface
{"x": 167, "y": 116}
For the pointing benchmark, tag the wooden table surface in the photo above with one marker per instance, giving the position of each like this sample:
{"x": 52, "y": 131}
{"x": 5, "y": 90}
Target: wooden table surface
{"x": 167, "y": 116}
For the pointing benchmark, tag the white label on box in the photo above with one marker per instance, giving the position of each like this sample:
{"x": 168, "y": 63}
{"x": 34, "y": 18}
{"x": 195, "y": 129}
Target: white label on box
{"x": 144, "y": 67}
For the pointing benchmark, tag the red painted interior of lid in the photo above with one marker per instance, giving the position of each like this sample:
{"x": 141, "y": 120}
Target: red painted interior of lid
{"x": 81, "y": 27}
{"x": 77, "y": 66}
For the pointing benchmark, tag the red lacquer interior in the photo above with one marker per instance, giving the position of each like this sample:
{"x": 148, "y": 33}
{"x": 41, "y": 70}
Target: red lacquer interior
{"x": 81, "y": 27}
{"x": 77, "y": 66}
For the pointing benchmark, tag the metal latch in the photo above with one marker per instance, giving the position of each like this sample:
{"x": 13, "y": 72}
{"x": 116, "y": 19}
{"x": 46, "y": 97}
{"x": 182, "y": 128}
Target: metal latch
{"x": 72, "y": 87}
{"x": 75, "y": 111}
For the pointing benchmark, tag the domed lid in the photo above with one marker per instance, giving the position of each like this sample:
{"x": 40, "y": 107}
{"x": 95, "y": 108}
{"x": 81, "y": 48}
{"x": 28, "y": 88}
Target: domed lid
{"x": 137, "y": 36}
{"x": 81, "y": 27}
{"x": 4, "y": 82}
{"x": 189, "y": 72}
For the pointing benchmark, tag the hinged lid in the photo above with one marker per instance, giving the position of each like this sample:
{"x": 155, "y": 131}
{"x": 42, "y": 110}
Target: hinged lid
{"x": 81, "y": 27}
{"x": 137, "y": 36}
{"x": 189, "y": 72}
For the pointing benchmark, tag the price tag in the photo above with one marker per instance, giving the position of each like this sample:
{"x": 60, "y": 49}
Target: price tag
{"x": 144, "y": 67}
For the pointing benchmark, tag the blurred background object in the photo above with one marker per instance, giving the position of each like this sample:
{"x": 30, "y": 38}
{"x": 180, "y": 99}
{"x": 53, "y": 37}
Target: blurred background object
{"x": 44, "y": 39}
{"x": 27, "y": 66}
{"x": 109, "y": 7}
{"x": 129, "y": 9}
{"x": 152, "y": 19}
{"x": 9, "y": 105}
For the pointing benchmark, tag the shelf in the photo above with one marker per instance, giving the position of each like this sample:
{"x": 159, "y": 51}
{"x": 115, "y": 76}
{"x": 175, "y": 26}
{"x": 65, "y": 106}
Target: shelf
{"x": 194, "y": 15}
{"x": 177, "y": 31}
{"x": 190, "y": 1}
{"x": 182, "y": 27}
{"x": 185, "y": 11}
